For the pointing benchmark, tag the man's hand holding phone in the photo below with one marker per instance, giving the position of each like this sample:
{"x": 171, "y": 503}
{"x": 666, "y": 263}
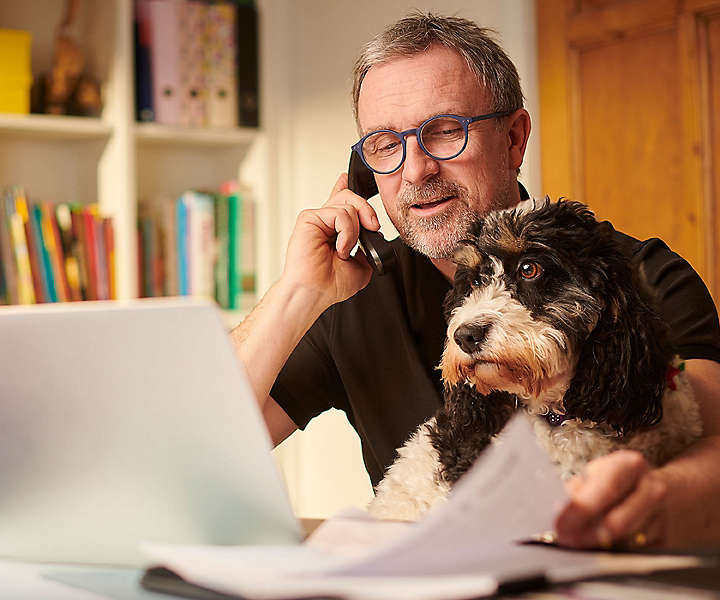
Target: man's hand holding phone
{"x": 319, "y": 252}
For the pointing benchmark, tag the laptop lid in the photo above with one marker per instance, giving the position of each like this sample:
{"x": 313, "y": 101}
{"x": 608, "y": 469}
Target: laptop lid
{"x": 126, "y": 422}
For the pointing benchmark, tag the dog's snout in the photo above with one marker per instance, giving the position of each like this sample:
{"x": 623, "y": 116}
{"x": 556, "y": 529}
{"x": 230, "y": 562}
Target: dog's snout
{"x": 470, "y": 338}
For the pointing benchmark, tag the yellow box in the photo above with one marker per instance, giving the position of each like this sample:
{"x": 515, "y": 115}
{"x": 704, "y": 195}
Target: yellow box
{"x": 14, "y": 96}
{"x": 15, "y": 47}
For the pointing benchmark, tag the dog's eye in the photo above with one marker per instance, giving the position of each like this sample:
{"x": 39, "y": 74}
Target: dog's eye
{"x": 530, "y": 270}
{"x": 475, "y": 282}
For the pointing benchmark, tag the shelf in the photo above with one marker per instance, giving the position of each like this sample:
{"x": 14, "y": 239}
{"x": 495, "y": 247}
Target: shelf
{"x": 164, "y": 135}
{"x": 54, "y": 127}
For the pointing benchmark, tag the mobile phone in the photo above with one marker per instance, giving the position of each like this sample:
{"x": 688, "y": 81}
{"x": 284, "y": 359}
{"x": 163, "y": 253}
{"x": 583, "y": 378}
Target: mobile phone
{"x": 377, "y": 250}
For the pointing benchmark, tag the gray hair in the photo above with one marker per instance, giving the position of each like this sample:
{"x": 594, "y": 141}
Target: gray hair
{"x": 418, "y": 31}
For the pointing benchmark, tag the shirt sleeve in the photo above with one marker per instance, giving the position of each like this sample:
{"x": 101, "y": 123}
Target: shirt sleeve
{"x": 309, "y": 383}
{"x": 685, "y": 303}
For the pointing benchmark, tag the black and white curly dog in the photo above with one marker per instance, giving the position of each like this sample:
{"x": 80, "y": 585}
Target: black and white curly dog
{"x": 546, "y": 314}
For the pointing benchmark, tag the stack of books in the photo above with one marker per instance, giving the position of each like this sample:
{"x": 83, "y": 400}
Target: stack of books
{"x": 196, "y": 63}
{"x": 54, "y": 253}
{"x": 199, "y": 244}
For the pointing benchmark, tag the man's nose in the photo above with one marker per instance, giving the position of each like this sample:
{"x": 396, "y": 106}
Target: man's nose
{"x": 418, "y": 166}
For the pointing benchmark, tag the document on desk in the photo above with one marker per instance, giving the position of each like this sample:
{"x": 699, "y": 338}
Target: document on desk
{"x": 467, "y": 547}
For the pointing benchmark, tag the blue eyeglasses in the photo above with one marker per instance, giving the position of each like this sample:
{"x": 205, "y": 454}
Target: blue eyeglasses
{"x": 441, "y": 137}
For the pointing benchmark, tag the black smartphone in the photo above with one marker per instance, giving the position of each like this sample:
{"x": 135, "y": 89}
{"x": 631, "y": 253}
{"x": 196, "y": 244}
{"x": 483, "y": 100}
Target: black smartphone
{"x": 377, "y": 250}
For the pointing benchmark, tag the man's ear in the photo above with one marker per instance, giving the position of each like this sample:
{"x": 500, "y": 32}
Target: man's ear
{"x": 518, "y": 134}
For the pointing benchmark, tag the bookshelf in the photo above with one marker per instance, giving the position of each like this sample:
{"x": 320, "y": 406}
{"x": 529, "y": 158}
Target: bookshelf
{"x": 112, "y": 160}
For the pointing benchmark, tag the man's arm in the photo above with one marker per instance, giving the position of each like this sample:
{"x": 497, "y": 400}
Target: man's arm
{"x": 319, "y": 271}
{"x": 620, "y": 499}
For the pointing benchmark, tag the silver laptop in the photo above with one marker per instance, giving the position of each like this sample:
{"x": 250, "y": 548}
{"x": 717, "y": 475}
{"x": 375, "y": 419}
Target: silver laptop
{"x": 126, "y": 422}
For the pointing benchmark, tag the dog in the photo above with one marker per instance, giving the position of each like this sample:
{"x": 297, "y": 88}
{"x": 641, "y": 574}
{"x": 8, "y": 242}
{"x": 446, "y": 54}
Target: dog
{"x": 546, "y": 315}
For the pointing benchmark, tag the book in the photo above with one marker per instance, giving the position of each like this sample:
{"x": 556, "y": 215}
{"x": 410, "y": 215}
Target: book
{"x": 144, "y": 110}
{"x": 183, "y": 262}
{"x": 52, "y": 242}
{"x": 165, "y": 35}
{"x": 247, "y": 64}
{"x": 6, "y": 250}
{"x": 79, "y": 250}
{"x": 222, "y": 281}
{"x": 21, "y": 206}
{"x": 43, "y": 255}
{"x": 202, "y": 244}
{"x": 90, "y": 252}
{"x": 230, "y": 190}
{"x": 193, "y": 70}
{"x": 220, "y": 58}
{"x": 25, "y": 290}
{"x": 109, "y": 237}
{"x": 72, "y": 267}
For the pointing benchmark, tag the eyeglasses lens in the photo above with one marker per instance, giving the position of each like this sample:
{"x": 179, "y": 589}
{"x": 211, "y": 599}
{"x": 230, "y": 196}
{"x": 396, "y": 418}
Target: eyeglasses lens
{"x": 443, "y": 138}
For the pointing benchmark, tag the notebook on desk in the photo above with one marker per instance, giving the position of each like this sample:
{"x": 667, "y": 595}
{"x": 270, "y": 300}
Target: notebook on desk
{"x": 128, "y": 422}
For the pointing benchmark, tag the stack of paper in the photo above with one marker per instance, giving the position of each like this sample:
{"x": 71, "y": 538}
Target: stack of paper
{"x": 469, "y": 547}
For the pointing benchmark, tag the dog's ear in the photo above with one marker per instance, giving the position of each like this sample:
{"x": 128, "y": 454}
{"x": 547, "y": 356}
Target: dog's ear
{"x": 621, "y": 371}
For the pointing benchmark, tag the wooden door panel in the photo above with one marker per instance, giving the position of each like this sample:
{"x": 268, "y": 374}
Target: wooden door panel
{"x": 628, "y": 97}
{"x": 630, "y": 83}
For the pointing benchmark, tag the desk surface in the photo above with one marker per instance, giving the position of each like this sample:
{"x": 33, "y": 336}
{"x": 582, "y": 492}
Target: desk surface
{"x": 24, "y": 581}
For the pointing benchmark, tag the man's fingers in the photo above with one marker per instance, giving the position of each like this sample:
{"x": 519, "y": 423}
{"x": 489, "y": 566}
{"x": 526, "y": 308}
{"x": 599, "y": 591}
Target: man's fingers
{"x": 610, "y": 502}
{"x": 631, "y": 520}
{"x": 341, "y": 195}
{"x": 339, "y": 225}
{"x": 340, "y": 184}
{"x": 608, "y": 479}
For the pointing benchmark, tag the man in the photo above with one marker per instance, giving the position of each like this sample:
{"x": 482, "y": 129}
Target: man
{"x": 329, "y": 333}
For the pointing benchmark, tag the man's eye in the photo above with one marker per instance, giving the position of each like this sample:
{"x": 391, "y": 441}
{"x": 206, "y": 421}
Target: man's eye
{"x": 529, "y": 269}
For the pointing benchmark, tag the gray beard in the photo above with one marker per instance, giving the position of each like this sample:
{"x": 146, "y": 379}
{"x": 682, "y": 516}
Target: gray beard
{"x": 437, "y": 236}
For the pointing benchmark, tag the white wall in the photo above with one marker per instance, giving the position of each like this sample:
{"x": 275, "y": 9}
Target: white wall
{"x": 309, "y": 47}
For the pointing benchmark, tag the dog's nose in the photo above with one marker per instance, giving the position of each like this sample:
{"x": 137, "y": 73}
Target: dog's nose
{"x": 470, "y": 338}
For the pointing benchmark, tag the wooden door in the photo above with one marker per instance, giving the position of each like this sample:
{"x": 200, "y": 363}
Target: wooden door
{"x": 630, "y": 117}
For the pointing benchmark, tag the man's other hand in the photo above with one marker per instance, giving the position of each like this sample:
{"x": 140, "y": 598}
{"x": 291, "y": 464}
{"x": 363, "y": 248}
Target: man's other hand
{"x": 617, "y": 501}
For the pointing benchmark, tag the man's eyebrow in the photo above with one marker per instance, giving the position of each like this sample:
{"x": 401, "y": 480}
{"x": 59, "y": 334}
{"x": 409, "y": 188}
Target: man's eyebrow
{"x": 364, "y": 132}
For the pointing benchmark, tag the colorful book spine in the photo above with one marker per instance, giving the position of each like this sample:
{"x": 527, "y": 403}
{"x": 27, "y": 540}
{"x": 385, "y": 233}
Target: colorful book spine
{"x": 144, "y": 110}
{"x": 6, "y": 250}
{"x": 54, "y": 252}
{"x": 182, "y": 235}
{"x": 43, "y": 255}
{"x": 222, "y": 289}
{"x": 72, "y": 267}
{"x": 165, "y": 37}
{"x": 201, "y": 246}
{"x": 193, "y": 79}
{"x": 91, "y": 255}
{"x": 220, "y": 58}
{"x": 26, "y": 292}
{"x": 109, "y": 236}
{"x": 247, "y": 64}
{"x": 21, "y": 206}
{"x": 234, "y": 248}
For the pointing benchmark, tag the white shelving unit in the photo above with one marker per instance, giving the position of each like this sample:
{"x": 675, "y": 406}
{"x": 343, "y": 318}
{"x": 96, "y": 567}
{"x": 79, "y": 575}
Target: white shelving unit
{"x": 112, "y": 160}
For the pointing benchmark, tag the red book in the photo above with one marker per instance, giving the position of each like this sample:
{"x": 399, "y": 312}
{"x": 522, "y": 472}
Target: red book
{"x": 90, "y": 253}
{"x": 78, "y": 249}
{"x": 109, "y": 235}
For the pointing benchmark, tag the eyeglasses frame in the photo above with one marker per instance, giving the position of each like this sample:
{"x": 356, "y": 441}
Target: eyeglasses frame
{"x": 416, "y": 131}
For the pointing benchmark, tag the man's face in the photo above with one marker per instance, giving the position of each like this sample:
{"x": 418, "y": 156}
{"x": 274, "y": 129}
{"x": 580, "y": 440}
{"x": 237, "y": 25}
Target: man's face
{"x": 431, "y": 202}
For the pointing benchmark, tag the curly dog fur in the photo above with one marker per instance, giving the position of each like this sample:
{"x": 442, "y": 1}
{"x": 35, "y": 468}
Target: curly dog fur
{"x": 547, "y": 314}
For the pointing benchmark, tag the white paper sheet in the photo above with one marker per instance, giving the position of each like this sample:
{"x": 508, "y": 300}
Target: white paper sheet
{"x": 461, "y": 549}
